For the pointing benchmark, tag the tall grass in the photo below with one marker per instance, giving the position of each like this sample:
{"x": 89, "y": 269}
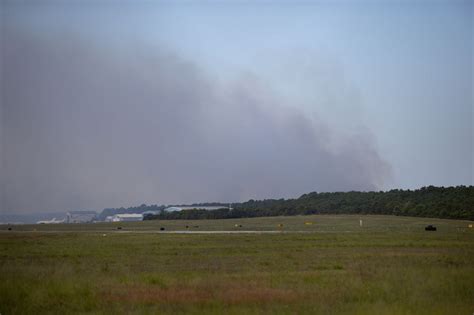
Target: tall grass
{"x": 391, "y": 266}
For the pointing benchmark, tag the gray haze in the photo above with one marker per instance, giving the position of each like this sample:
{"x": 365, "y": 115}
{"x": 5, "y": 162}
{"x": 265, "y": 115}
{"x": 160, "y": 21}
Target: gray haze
{"x": 88, "y": 125}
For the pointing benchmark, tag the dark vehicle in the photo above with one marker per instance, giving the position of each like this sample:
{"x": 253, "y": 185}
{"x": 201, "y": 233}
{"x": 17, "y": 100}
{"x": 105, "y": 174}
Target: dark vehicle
{"x": 430, "y": 228}
{"x": 162, "y": 229}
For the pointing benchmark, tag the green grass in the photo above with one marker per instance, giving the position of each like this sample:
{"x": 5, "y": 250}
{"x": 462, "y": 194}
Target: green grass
{"x": 389, "y": 266}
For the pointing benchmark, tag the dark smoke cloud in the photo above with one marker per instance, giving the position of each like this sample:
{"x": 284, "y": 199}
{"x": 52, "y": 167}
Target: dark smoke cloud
{"x": 87, "y": 125}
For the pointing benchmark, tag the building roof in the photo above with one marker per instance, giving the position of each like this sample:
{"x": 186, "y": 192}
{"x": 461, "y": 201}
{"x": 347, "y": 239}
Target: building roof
{"x": 129, "y": 215}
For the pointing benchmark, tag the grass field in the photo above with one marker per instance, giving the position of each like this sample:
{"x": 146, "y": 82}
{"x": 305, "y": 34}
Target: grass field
{"x": 390, "y": 265}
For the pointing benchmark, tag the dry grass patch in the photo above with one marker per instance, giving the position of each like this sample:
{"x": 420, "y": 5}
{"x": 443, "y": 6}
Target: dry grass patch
{"x": 230, "y": 294}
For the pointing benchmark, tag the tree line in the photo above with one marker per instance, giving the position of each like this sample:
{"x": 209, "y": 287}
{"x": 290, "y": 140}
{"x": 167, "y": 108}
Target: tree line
{"x": 436, "y": 202}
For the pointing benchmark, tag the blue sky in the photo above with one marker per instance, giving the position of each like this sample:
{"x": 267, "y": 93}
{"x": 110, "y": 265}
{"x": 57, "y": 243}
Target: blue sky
{"x": 397, "y": 72}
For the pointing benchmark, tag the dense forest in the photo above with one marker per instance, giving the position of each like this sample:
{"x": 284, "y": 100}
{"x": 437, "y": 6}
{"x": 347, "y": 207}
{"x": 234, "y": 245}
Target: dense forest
{"x": 437, "y": 202}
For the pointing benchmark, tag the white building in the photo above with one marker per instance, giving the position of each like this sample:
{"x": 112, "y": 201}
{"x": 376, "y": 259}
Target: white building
{"x": 171, "y": 209}
{"x": 53, "y": 221}
{"x": 125, "y": 217}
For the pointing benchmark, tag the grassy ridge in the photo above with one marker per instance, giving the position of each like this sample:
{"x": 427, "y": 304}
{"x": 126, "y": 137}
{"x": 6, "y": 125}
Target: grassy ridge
{"x": 389, "y": 266}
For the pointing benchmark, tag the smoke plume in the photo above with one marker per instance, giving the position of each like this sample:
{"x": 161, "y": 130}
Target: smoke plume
{"x": 87, "y": 126}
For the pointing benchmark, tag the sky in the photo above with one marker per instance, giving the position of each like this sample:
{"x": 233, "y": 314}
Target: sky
{"x": 119, "y": 103}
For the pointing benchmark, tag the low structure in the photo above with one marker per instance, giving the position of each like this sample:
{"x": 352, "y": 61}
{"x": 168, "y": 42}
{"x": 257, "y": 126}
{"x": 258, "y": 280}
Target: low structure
{"x": 151, "y": 212}
{"x": 53, "y": 221}
{"x": 171, "y": 209}
{"x": 125, "y": 217}
{"x": 179, "y": 208}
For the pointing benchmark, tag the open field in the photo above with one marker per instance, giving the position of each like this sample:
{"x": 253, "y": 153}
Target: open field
{"x": 333, "y": 266}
